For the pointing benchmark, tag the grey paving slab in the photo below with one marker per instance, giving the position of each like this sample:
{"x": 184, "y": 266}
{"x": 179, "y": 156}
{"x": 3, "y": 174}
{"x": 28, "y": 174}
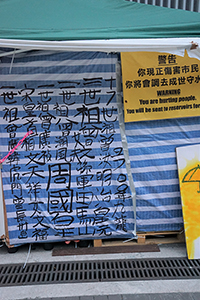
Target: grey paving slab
{"x": 136, "y": 297}
{"x": 160, "y": 296}
{"x": 173, "y": 297}
{"x": 54, "y": 298}
{"x": 188, "y": 297}
{"x": 115, "y": 297}
{"x": 40, "y": 255}
{"x": 73, "y": 298}
{"x": 195, "y": 296}
{"x": 180, "y": 296}
{"x": 156, "y": 297}
{"x": 166, "y": 296}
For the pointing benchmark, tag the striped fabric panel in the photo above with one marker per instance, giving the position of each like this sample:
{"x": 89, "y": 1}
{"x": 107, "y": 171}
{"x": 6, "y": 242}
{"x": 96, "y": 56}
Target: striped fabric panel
{"x": 192, "y": 5}
{"x": 152, "y": 147}
{"x": 67, "y": 180}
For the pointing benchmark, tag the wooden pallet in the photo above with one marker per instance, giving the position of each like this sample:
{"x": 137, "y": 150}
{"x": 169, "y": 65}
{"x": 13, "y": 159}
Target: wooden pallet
{"x": 164, "y": 237}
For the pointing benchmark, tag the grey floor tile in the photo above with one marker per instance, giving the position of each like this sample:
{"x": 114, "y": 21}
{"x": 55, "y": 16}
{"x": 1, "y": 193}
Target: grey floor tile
{"x": 174, "y": 296}
{"x": 100, "y": 297}
{"x": 187, "y": 296}
{"x": 155, "y": 297}
{"x": 136, "y": 297}
{"x": 178, "y": 296}
{"x": 195, "y": 296}
{"x": 56, "y": 298}
{"x": 115, "y": 297}
{"x": 161, "y": 296}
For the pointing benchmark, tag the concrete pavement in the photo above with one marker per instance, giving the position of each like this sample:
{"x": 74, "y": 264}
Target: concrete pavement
{"x": 119, "y": 290}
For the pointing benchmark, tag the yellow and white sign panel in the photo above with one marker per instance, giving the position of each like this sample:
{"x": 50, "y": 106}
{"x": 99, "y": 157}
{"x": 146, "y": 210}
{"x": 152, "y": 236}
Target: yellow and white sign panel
{"x": 188, "y": 159}
{"x": 160, "y": 86}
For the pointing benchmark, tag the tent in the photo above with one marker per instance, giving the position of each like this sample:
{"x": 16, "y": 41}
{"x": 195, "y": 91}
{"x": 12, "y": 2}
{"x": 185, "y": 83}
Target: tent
{"x": 115, "y": 25}
{"x": 86, "y": 27}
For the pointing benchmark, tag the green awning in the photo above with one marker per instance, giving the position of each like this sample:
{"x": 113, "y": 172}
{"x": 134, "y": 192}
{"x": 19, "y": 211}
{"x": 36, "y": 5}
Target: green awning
{"x": 64, "y": 20}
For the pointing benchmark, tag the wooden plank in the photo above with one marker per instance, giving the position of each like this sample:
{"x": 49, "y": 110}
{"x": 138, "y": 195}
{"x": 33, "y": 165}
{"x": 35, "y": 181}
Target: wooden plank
{"x": 5, "y": 217}
{"x": 159, "y": 232}
{"x": 141, "y": 239}
{"x": 97, "y": 243}
{"x": 166, "y": 237}
{"x": 147, "y": 238}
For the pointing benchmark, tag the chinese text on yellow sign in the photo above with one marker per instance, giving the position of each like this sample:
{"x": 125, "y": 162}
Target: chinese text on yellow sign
{"x": 160, "y": 86}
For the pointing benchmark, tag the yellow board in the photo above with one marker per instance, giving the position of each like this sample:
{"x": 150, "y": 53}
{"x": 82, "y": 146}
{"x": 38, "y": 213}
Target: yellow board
{"x": 188, "y": 159}
{"x": 160, "y": 86}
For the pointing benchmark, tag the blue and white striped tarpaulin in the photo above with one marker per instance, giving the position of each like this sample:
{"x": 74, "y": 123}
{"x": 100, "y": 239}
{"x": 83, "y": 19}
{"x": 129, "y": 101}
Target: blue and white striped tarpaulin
{"x": 68, "y": 179}
{"x": 152, "y": 153}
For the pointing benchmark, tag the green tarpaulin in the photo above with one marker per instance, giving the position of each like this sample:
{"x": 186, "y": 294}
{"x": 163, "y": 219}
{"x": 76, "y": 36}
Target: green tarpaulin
{"x": 64, "y": 20}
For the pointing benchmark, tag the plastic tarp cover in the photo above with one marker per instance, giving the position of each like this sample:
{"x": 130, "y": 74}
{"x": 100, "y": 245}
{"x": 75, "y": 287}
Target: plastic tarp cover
{"x": 68, "y": 178}
{"x": 152, "y": 149}
{"x": 66, "y": 20}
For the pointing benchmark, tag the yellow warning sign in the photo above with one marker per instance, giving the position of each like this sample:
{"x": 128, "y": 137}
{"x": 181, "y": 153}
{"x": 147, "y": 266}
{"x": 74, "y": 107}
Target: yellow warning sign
{"x": 160, "y": 86}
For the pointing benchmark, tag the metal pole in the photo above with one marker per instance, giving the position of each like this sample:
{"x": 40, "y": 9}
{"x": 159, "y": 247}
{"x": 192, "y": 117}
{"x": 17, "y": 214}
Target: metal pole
{"x": 168, "y": 3}
{"x": 176, "y": 4}
{"x": 191, "y": 5}
{"x": 161, "y": 2}
{"x": 184, "y": 5}
{"x": 198, "y": 6}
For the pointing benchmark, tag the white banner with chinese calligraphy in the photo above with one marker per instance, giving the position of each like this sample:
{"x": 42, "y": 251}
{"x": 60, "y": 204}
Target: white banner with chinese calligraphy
{"x": 67, "y": 180}
{"x": 160, "y": 86}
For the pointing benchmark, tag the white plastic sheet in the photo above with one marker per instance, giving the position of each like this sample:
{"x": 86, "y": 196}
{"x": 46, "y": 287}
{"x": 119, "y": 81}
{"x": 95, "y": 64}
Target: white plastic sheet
{"x": 171, "y": 45}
